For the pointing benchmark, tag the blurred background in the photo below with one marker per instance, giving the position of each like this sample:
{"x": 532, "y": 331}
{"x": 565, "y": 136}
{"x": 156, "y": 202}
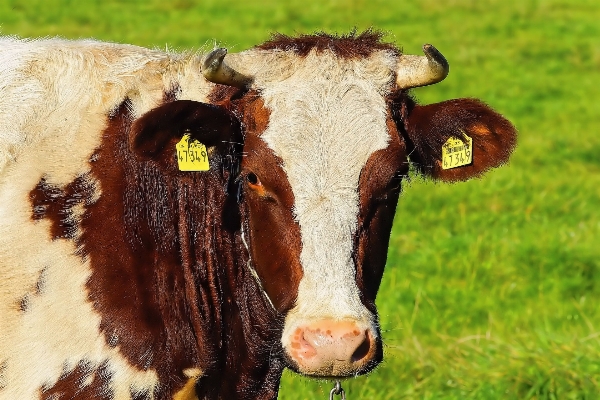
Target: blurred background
{"x": 492, "y": 289}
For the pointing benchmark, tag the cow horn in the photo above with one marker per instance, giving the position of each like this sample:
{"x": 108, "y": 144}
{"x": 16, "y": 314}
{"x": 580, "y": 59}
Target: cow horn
{"x": 415, "y": 71}
{"x": 216, "y": 70}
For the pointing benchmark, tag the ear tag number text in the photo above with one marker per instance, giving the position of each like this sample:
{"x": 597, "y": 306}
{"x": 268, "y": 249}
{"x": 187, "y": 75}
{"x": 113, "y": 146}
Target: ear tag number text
{"x": 191, "y": 155}
{"x": 456, "y": 153}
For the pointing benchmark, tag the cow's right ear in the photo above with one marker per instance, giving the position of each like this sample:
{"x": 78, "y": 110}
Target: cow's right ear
{"x": 164, "y": 126}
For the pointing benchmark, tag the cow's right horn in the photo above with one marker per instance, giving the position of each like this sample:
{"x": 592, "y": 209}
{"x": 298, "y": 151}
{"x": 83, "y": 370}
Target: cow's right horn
{"x": 414, "y": 71}
{"x": 216, "y": 70}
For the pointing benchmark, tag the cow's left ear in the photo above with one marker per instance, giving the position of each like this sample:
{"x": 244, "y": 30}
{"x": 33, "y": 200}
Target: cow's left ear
{"x": 162, "y": 126}
{"x": 428, "y": 128}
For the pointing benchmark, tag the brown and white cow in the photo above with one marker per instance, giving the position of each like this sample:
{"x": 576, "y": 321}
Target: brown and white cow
{"x": 123, "y": 277}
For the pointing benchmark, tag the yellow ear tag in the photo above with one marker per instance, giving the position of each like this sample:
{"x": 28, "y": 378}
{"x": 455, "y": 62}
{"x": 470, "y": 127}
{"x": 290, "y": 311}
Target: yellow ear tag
{"x": 191, "y": 156}
{"x": 456, "y": 153}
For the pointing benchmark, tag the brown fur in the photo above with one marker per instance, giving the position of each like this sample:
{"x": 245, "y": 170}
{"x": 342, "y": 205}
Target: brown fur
{"x": 73, "y": 384}
{"x": 56, "y": 204}
{"x": 427, "y": 128}
{"x": 158, "y": 128}
{"x": 350, "y": 46}
{"x": 36, "y": 290}
{"x": 379, "y": 187}
{"x": 268, "y": 210}
{"x": 129, "y": 284}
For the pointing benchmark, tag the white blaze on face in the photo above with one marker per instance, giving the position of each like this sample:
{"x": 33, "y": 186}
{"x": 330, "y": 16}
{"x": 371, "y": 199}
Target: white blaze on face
{"x": 326, "y": 120}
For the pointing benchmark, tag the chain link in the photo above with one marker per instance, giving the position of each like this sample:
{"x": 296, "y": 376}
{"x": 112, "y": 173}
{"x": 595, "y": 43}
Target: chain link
{"x": 337, "y": 390}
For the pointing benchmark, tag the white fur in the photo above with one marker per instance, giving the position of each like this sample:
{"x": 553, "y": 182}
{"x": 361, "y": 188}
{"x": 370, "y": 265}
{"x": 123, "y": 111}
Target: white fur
{"x": 55, "y": 96}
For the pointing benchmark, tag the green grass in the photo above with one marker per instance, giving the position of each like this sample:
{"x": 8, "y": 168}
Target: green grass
{"x": 492, "y": 289}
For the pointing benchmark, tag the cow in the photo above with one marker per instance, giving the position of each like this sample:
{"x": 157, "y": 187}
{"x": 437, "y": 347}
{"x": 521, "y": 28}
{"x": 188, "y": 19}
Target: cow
{"x": 187, "y": 225}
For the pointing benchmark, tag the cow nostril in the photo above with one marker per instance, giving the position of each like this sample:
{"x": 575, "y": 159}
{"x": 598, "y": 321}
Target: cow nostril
{"x": 362, "y": 350}
{"x": 303, "y": 346}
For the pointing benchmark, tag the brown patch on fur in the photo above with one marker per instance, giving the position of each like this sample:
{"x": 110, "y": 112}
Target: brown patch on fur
{"x": 268, "y": 207}
{"x": 3, "y": 366}
{"x": 130, "y": 236}
{"x": 172, "y": 94}
{"x": 85, "y": 381}
{"x": 56, "y": 204}
{"x": 272, "y": 232}
{"x": 140, "y": 395}
{"x": 379, "y": 188}
{"x": 251, "y": 111}
{"x": 24, "y": 303}
{"x": 169, "y": 281}
{"x": 349, "y": 46}
{"x": 40, "y": 284}
{"x": 225, "y": 95}
{"x": 428, "y": 127}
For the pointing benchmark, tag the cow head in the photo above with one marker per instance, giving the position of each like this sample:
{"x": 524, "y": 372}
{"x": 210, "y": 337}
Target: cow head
{"x": 328, "y": 129}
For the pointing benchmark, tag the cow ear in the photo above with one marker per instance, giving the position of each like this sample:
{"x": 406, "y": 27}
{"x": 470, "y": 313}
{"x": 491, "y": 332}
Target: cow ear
{"x": 164, "y": 126}
{"x": 429, "y": 127}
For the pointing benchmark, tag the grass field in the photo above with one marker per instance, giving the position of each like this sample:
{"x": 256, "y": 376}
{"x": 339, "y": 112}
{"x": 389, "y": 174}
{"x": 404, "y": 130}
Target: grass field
{"x": 492, "y": 289}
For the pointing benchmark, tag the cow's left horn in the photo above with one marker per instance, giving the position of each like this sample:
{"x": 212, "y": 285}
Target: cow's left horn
{"x": 216, "y": 70}
{"x": 414, "y": 71}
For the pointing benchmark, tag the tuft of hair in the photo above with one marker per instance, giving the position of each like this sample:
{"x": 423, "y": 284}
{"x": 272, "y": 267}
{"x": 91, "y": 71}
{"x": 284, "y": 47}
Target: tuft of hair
{"x": 352, "y": 45}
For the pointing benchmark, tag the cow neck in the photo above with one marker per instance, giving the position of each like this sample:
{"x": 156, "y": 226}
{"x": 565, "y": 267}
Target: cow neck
{"x": 253, "y": 357}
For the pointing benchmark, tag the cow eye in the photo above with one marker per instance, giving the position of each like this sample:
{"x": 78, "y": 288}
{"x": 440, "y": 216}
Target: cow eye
{"x": 257, "y": 187}
{"x": 253, "y": 180}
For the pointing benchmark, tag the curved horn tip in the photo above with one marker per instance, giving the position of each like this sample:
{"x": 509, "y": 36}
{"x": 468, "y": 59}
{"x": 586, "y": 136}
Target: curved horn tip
{"x": 434, "y": 54}
{"x": 214, "y": 58}
{"x": 427, "y": 47}
{"x": 415, "y": 71}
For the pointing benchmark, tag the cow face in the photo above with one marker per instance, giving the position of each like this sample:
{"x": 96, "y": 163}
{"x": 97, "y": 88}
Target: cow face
{"x": 327, "y": 128}
{"x": 302, "y": 169}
